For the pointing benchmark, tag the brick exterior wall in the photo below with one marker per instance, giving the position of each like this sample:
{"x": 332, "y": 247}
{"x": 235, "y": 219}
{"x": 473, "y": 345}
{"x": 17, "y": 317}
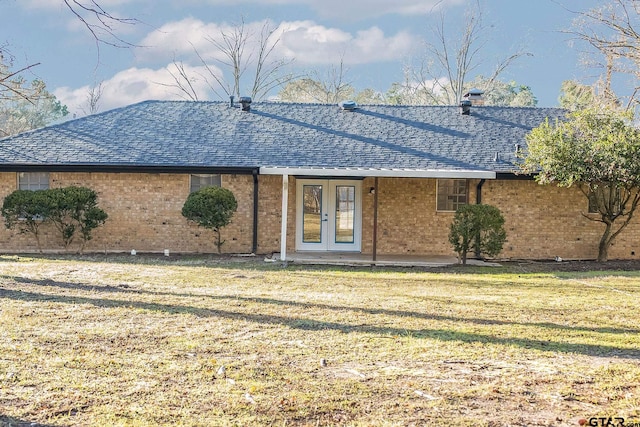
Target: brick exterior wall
{"x": 547, "y": 221}
{"x": 144, "y": 214}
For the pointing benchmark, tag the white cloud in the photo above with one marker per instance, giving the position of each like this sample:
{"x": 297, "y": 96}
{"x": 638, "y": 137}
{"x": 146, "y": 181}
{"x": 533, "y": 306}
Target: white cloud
{"x": 305, "y": 41}
{"x": 314, "y": 44}
{"x": 134, "y": 85}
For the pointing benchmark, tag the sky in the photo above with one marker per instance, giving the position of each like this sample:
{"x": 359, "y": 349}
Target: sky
{"x": 374, "y": 39}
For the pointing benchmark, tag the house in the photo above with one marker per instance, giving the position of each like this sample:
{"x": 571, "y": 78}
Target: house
{"x": 374, "y": 180}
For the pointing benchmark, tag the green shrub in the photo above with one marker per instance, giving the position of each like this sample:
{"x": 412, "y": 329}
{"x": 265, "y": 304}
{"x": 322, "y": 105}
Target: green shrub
{"x": 27, "y": 211}
{"x": 72, "y": 210}
{"x": 478, "y": 228}
{"x": 81, "y": 203}
{"x": 211, "y": 208}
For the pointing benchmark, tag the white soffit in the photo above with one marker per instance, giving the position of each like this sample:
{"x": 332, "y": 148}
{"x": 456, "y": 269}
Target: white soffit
{"x": 368, "y": 172}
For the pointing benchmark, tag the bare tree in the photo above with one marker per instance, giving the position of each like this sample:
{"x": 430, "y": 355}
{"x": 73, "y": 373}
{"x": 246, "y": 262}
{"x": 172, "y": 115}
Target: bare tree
{"x": 330, "y": 87}
{"x": 34, "y": 107}
{"x": 268, "y": 73}
{"x": 100, "y": 23}
{"x": 240, "y": 51}
{"x": 182, "y": 80}
{"x": 441, "y": 74}
{"x": 12, "y": 85}
{"x": 613, "y": 29}
{"x": 93, "y": 98}
{"x": 232, "y": 46}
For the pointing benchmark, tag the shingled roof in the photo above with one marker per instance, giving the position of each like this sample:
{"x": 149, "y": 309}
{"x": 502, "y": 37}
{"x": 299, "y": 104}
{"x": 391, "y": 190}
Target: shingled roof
{"x": 273, "y": 136}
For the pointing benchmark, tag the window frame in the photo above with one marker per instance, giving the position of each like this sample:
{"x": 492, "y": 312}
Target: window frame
{"x": 32, "y": 184}
{"x": 592, "y": 208}
{"x": 455, "y": 203}
{"x": 212, "y": 176}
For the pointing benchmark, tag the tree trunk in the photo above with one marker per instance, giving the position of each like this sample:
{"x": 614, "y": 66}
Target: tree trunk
{"x": 38, "y": 242}
{"x": 605, "y": 243}
{"x": 218, "y": 241}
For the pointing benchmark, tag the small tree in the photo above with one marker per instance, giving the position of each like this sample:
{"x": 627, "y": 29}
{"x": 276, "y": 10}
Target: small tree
{"x": 74, "y": 210}
{"x": 61, "y": 205}
{"x": 212, "y": 208}
{"x": 27, "y": 211}
{"x": 83, "y": 210}
{"x": 479, "y": 228}
{"x": 70, "y": 210}
{"x": 597, "y": 150}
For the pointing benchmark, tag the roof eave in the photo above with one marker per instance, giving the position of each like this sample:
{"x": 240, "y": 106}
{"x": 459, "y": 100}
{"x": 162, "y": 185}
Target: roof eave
{"x": 379, "y": 172}
{"x": 125, "y": 168}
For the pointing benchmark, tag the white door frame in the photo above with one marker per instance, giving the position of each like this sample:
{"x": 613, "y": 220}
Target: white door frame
{"x": 328, "y": 216}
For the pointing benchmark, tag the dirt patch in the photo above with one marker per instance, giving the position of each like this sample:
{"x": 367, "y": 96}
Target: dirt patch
{"x": 546, "y": 266}
{"x": 551, "y": 266}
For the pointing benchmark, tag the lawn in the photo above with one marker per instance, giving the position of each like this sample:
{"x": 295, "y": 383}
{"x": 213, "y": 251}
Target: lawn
{"x": 204, "y": 341}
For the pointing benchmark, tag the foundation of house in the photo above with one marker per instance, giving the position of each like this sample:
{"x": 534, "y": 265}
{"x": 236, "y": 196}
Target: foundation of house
{"x": 362, "y": 259}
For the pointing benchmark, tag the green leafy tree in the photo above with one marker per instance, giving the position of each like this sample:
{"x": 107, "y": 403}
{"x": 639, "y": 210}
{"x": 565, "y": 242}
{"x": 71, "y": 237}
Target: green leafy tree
{"x": 78, "y": 208}
{"x": 478, "y": 228}
{"x": 90, "y": 219}
{"x": 316, "y": 91}
{"x": 26, "y": 106}
{"x": 23, "y": 115}
{"x": 507, "y": 94}
{"x": 598, "y": 150}
{"x": 60, "y": 210}
{"x": 72, "y": 210}
{"x": 27, "y": 211}
{"x": 211, "y": 208}
{"x": 369, "y": 96}
{"x": 576, "y": 96}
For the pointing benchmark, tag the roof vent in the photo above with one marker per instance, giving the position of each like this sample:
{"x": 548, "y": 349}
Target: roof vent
{"x": 465, "y": 107}
{"x": 475, "y": 96}
{"x": 348, "y": 105}
{"x": 245, "y": 101}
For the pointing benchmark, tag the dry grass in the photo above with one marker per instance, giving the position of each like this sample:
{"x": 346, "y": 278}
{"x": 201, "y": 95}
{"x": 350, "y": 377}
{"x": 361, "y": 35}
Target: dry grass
{"x": 140, "y": 341}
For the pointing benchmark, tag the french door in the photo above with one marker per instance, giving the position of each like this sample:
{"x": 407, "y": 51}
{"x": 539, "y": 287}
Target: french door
{"x": 328, "y": 215}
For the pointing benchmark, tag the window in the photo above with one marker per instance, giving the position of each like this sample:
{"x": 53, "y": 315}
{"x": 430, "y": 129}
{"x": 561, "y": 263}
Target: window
{"x": 451, "y": 194}
{"x": 33, "y": 180}
{"x": 610, "y": 199}
{"x": 593, "y": 204}
{"x": 201, "y": 181}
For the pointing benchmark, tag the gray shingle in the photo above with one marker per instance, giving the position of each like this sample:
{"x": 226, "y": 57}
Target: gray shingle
{"x": 212, "y": 134}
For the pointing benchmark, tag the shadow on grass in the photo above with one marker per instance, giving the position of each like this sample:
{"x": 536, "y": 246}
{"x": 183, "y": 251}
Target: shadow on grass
{"x": 319, "y": 325}
{"x": 583, "y": 268}
{"x": 6, "y": 421}
{"x": 271, "y": 301}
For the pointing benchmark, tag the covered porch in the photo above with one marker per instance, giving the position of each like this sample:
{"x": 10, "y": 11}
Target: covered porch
{"x": 350, "y": 231}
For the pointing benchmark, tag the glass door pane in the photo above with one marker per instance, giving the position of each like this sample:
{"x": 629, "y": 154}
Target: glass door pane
{"x": 345, "y": 213}
{"x": 311, "y": 214}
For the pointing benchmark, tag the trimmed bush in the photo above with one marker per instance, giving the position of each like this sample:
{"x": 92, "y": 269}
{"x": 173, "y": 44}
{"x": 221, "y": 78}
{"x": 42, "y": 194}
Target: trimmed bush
{"x": 72, "y": 210}
{"x": 478, "y": 228}
{"x": 27, "y": 211}
{"x": 211, "y": 208}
